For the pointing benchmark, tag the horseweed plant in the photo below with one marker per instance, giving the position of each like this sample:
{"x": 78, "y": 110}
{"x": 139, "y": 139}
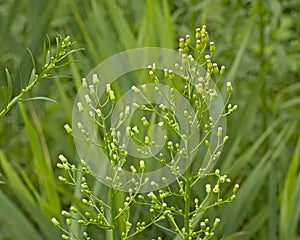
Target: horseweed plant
{"x": 173, "y": 203}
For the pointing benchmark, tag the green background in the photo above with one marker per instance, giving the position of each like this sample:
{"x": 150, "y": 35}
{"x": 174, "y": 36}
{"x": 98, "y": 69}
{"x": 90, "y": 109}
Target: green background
{"x": 258, "y": 42}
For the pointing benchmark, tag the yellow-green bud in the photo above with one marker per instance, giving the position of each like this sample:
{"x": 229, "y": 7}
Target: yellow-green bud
{"x": 188, "y": 39}
{"x": 208, "y": 188}
{"x": 55, "y": 222}
{"x": 181, "y": 43}
{"x": 222, "y": 70}
{"x": 142, "y": 164}
{"x": 212, "y": 47}
{"x": 217, "y": 221}
{"x": 80, "y": 107}
{"x": 198, "y": 44}
{"x": 84, "y": 83}
{"x": 68, "y": 128}
{"x": 198, "y": 33}
{"x": 95, "y": 79}
{"x": 219, "y": 132}
{"x": 229, "y": 87}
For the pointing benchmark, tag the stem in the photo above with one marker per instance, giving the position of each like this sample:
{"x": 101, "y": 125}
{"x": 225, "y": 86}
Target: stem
{"x": 113, "y": 214}
{"x": 187, "y": 194}
{"x": 187, "y": 203}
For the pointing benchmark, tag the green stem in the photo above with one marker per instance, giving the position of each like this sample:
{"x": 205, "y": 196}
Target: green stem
{"x": 113, "y": 214}
{"x": 187, "y": 197}
{"x": 23, "y": 91}
{"x": 187, "y": 204}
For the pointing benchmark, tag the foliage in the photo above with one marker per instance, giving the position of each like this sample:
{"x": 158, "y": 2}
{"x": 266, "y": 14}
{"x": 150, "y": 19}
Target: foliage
{"x": 259, "y": 42}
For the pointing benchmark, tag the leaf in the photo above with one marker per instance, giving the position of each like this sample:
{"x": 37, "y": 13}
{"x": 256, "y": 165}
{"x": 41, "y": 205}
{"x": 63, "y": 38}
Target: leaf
{"x": 14, "y": 224}
{"x": 32, "y": 76}
{"x": 9, "y": 85}
{"x": 41, "y": 98}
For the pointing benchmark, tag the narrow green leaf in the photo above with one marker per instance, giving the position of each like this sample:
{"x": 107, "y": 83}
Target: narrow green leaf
{"x": 289, "y": 209}
{"x": 41, "y": 98}
{"x": 9, "y": 85}
{"x": 50, "y": 202}
{"x": 32, "y": 76}
{"x": 14, "y": 224}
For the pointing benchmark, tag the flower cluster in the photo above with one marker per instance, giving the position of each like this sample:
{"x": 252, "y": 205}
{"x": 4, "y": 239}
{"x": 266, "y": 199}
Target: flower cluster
{"x": 167, "y": 133}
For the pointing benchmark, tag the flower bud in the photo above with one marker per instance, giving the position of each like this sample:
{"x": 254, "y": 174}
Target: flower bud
{"x": 133, "y": 169}
{"x": 166, "y": 73}
{"x": 127, "y": 110}
{"x": 181, "y": 43}
{"x": 145, "y": 121}
{"x": 198, "y": 44}
{"x": 225, "y": 139}
{"x": 198, "y": 33}
{"x": 208, "y": 188}
{"x": 188, "y": 39}
{"x": 212, "y": 47}
{"x": 95, "y": 79}
{"x": 229, "y": 87}
{"x": 217, "y": 221}
{"x": 219, "y": 132}
{"x": 108, "y": 88}
{"x": 222, "y": 70}
{"x": 112, "y": 95}
{"x": 62, "y": 158}
{"x": 92, "y": 89}
{"x": 142, "y": 164}
{"x": 135, "y": 89}
{"x": 68, "y": 128}
{"x": 87, "y": 99}
{"x": 80, "y": 107}
{"x": 171, "y": 75}
{"x": 135, "y": 130}
{"x": 55, "y": 222}
{"x": 236, "y": 187}
{"x": 215, "y": 68}
{"x": 84, "y": 83}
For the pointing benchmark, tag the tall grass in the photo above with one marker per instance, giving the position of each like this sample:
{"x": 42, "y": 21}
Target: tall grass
{"x": 258, "y": 42}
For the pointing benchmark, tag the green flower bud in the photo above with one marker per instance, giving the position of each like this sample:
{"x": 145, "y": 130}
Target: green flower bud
{"x": 92, "y": 89}
{"x": 145, "y": 121}
{"x": 87, "y": 99}
{"x": 222, "y": 70}
{"x": 219, "y": 132}
{"x": 188, "y": 39}
{"x": 166, "y": 73}
{"x": 208, "y": 188}
{"x": 84, "y": 83}
{"x": 229, "y": 87}
{"x": 212, "y": 47}
{"x": 55, "y": 222}
{"x": 112, "y": 95}
{"x": 217, "y": 221}
{"x": 68, "y": 128}
{"x": 225, "y": 139}
{"x": 95, "y": 79}
{"x": 142, "y": 164}
{"x": 209, "y": 64}
{"x": 135, "y": 89}
{"x": 80, "y": 107}
{"x": 215, "y": 68}
{"x": 198, "y": 33}
{"x": 171, "y": 75}
{"x": 198, "y": 44}
{"x": 236, "y": 187}
{"x": 133, "y": 169}
{"x": 181, "y": 43}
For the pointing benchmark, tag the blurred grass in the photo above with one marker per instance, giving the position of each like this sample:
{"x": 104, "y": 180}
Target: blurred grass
{"x": 262, "y": 155}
